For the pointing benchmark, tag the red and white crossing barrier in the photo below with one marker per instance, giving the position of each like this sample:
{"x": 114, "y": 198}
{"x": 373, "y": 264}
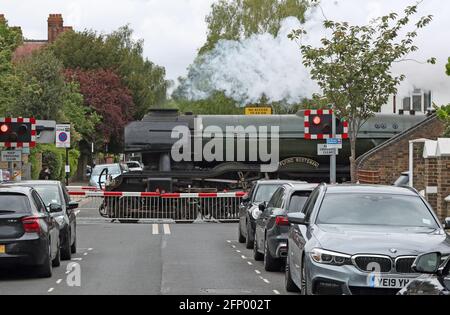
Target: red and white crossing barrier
{"x": 82, "y": 188}
{"x": 99, "y": 193}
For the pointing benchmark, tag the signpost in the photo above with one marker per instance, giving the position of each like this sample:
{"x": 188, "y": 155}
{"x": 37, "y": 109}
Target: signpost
{"x": 12, "y": 156}
{"x": 63, "y": 141}
{"x": 325, "y": 150}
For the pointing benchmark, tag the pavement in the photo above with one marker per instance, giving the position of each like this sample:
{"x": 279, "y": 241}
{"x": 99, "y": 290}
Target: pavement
{"x": 157, "y": 259}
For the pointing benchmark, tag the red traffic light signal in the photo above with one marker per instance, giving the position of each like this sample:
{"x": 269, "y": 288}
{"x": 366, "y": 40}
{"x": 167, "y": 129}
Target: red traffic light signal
{"x": 318, "y": 125}
{"x": 18, "y": 132}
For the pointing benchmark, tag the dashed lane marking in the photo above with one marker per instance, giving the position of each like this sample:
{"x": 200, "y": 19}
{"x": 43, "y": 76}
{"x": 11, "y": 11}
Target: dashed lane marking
{"x": 258, "y": 272}
{"x": 166, "y": 229}
{"x": 51, "y": 290}
{"x": 155, "y": 229}
{"x": 243, "y": 257}
{"x": 250, "y": 263}
{"x": 276, "y": 292}
{"x": 59, "y": 281}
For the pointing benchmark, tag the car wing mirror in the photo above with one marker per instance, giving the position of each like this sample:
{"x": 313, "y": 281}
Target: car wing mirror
{"x": 262, "y": 207}
{"x": 297, "y": 218}
{"x": 72, "y": 205}
{"x": 447, "y": 223}
{"x": 427, "y": 263}
{"x": 55, "y": 208}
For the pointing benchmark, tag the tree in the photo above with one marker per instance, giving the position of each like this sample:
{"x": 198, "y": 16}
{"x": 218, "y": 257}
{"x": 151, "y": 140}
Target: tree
{"x": 10, "y": 39}
{"x": 237, "y": 19}
{"x": 122, "y": 54}
{"x": 43, "y": 91}
{"x": 448, "y": 67}
{"x": 217, "y": 104}
{"x": 353, "y": 66}
{"x": 105, "y": 93}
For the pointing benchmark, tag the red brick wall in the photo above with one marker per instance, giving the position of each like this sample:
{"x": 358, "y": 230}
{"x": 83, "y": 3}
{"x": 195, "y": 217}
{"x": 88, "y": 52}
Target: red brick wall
{"x": 443, "y": 179}
{"x": 391, "y": 159}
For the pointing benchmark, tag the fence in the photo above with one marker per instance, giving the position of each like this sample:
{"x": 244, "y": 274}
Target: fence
{"x": 136, "y": 206}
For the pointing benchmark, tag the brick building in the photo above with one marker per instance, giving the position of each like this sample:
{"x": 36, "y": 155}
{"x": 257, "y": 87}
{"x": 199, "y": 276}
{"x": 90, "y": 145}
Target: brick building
{"x": 431, "y": 160}
{"x": 55, "y": 27}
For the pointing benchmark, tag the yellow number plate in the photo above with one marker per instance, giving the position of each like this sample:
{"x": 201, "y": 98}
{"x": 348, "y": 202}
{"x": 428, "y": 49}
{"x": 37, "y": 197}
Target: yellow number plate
{"x": 2, "y": 249}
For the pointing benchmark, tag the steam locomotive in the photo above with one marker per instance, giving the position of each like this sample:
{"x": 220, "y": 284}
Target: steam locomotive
{"x": 233, "y": 142}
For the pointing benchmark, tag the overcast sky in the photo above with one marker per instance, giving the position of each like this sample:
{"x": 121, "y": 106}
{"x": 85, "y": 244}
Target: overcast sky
{"x": 174, "y": 30}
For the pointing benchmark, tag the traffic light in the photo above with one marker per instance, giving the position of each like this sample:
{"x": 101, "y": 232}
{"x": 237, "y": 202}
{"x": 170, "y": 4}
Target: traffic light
{"x": 18, "y": 132}
{"x": 318, "y": 125}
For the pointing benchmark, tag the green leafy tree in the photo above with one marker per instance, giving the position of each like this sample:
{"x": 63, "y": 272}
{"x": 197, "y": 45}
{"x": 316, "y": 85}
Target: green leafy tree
{"x": 237, "y": 19}
{"x": 353, "y": 66}
{"x": 447, "y": 67}
{"x": 43, "y": 91}
{"x": 10, "y": 85}
{"x": 217, "y": 104}
{"x": 119, "y": 52}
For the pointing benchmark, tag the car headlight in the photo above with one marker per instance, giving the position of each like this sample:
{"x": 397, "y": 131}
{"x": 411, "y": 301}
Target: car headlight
{"x": 327, "y": 257}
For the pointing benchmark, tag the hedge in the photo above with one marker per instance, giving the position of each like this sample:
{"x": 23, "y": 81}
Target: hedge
{"x": 55, "y": 158}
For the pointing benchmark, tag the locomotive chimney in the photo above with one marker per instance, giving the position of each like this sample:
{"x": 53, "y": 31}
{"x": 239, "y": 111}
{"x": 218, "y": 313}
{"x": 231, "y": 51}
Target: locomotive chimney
{"x": 55, "y": 27}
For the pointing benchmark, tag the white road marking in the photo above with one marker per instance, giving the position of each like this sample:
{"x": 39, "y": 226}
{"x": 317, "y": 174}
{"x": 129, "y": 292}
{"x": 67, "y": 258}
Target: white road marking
{"x": 90, "y": 249}
{"x": 51, "y": 290}
{"x": 265, "y": 280}
{"x": 77, "y": 259}
{"x": 59, "y": 281}
{"x": 67, "y": 272}
{"x": 166, "y": 229}
{"x": 276, "y": 292}
{"x": 243, "y": 257}
{"x": 233, "y": 246}
{"x": 250, "y": 263}
{"x": 85, "y": 254}
{"x": 229, "y": 242}
{"x": 238, "y": 251}
{"x": 155, "y": 229}
{"x": 258, "y": 272}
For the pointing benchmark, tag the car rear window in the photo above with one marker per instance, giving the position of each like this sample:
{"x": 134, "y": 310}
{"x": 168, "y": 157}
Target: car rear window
{"x": 375, "y": 209}
{"x": 14, "y": 203}
{"x": 298, "y": 200}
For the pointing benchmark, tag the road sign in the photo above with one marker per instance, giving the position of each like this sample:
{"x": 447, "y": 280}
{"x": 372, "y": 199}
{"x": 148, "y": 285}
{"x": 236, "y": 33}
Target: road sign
{"x": 323, "y": 149}
{"x": 258, "y": 111}
{"x": 319, "y": 123}
{"x": 63, "y": 136}
{"x": 334, "y": 143}
{"x": 12, "y": 156}
{"x": 17, "y": 132}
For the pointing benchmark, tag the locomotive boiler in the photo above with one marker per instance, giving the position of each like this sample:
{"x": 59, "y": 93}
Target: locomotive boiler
{"x": 224, "y": 152}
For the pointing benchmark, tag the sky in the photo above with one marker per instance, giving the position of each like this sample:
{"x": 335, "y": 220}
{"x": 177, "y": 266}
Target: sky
{"x": 174, "y": 30}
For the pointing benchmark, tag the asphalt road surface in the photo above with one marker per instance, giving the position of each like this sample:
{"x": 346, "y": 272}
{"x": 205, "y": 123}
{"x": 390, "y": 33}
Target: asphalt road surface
{"x": 185, "y": 259}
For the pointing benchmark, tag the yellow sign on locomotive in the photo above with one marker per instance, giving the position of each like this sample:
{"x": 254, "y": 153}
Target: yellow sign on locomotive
{"x": 258, "y": 111}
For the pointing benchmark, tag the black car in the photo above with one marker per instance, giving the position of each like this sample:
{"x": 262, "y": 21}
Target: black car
{"x": 29, "y": 235}
{"x": 261, "y": 192}
{"x": 360, "y": 240}
{"x": 435, "y": 279}
{"x": 272, "y": 224}
{"x": 55, "y": 193}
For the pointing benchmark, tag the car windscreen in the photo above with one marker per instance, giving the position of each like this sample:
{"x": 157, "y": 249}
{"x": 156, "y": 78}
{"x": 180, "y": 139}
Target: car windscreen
{"x": 112, "y": 170}
{"x": 298, "y": 200}
{"x": 265, "y": 192}
{"x": 14, "y": 203}
{"x": 49, "y": 194}
{"x": 376, "y": 210}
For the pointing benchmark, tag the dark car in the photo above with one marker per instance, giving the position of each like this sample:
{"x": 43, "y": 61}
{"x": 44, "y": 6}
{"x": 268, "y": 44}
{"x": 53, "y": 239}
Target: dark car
{"x": 261, "y": 192}
{"x": 55, "y": 193}
{"x": 361, "y": 240}
{"x": 29, "y": 235}
{"x": 272, "y": 224}
{"x": 435, "y": 279}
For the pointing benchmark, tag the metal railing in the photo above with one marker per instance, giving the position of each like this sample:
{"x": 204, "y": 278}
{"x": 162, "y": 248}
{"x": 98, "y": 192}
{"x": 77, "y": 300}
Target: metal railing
{"x": 130, "y": 206}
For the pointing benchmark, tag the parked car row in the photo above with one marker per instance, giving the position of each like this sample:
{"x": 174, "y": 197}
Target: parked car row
{"x": 37, "y": 225}
{"x": 348, "y": 239}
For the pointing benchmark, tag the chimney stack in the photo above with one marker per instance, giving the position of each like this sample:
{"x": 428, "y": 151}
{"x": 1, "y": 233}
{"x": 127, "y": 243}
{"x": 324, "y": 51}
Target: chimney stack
{"x": 55, "y": 27}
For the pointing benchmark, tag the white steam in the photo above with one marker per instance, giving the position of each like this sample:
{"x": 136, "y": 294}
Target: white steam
{"x": 272, "y": 66}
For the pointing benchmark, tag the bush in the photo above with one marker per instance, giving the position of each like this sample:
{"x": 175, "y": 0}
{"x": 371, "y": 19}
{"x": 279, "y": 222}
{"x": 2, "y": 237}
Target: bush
{"x": 55, "y": 159}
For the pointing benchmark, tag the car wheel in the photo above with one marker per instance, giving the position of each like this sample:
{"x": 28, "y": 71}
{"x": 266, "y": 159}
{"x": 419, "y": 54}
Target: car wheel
{"x": 270, "y": 263}
{"x": 241, "y": 237}
{"x": 57, "y": 261}
{"x": 290, "y": 285}
{"x": 249, "y": 243}
{"x": 257, "y": 255}
{"x": 73, "y": 248}
{"x": 66, "y": 252}
{"x": 45, "y": 270}
{"x": 304, "y": 283}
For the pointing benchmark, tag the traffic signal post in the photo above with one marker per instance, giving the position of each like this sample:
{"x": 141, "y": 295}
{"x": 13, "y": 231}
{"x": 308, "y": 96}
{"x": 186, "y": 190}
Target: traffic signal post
{"x": 333, "y": 156}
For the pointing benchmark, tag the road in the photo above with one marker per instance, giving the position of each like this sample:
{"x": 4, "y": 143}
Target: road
{"x": 184, "y": 259}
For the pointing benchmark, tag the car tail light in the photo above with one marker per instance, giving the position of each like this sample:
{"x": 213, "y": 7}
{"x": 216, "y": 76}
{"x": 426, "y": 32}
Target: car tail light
{"x": 31, "y": 225}
{"x": 281, "y": 220}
